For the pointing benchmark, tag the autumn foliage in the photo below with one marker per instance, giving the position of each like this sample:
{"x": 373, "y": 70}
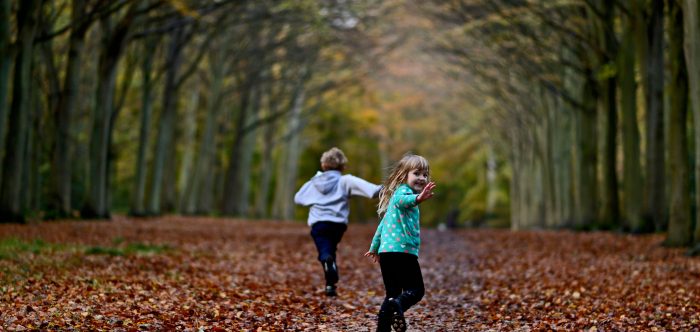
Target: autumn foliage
{"x": 196, "y": 274}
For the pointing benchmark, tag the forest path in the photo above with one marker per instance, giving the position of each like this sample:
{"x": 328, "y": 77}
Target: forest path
{"x": 178, "y": 273}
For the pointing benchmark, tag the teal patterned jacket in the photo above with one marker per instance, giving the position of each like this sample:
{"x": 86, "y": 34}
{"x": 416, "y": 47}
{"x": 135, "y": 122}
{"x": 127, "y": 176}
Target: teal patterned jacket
{"x": 399, "y": 230}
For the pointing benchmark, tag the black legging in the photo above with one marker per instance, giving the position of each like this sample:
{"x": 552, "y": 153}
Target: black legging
{"x": 402, "y": 279}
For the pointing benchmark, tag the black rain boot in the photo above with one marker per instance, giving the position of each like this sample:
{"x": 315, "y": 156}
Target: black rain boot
{"x": 383, "y": 321}
{"x": 330, "y": 270}
{"x": 331, "y": 290}
{"x": 398, "y": 322}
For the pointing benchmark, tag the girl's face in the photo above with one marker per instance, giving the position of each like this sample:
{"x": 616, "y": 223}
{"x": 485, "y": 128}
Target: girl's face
{"x": 417, "y": 179}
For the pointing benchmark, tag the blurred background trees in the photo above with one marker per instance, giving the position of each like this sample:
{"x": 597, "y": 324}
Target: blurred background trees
{"x": 534, "y": 114}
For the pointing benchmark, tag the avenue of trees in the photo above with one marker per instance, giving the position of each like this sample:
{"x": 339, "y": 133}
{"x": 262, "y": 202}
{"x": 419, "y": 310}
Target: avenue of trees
{"x": 579, "y": 114}
{"x": 165, "y": 106}
{"x": 597, "y": 106}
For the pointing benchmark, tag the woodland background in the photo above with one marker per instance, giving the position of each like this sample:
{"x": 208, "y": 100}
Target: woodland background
{"x": 534, "y": 114}
{"x": 150, "y": 151}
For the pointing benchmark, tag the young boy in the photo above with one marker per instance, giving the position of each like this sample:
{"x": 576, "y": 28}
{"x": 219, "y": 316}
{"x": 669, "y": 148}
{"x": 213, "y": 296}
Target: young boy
{"x": 327, "y": 193}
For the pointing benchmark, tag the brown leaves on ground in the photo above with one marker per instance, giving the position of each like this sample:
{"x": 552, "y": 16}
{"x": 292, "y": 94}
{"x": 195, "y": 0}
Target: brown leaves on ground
{"x": 201, "y": 274}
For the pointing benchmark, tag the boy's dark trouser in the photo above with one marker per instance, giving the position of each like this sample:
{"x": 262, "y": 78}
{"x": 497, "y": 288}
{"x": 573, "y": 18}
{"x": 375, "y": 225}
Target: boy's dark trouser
{"x": 403, "y": 280}
{"x": 327, "y": 235}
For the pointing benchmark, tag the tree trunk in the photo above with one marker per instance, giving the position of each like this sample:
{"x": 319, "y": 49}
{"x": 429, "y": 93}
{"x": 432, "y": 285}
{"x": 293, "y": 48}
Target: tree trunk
{"x": 31, "y": 191}
{"x": 655, "y": 199}
{"x": 198, "y": 190}
{"x": 15, "y": 163}
{"x": 545, "y": 132}
{"x": 691, "y": 31}
{"x": 610, "y": 213}
{"x": 491, "y": 181}
{"x": 96, "y": 203}
{"x": 286, "y": 179}
{"x": 565, "y": 154}
{"x": 61, "y": 171}
{"x": 246, "y": 157}
{"x": 680, "y": 224}
{"x": 603, "y": 36}
{"x": 587, "y": 141}
{"x": 515, "y": 185}
{"x": 632, "y": 180}
{"x": 231, "y": 186}
{"x": 139, "y": 195}
{"x": 166, "y": 128}
{"x": 534, "y": 190}
{"x": 190, "y": 143}
{"x": 266, "y": 166}
{"x": 5, "y": 62}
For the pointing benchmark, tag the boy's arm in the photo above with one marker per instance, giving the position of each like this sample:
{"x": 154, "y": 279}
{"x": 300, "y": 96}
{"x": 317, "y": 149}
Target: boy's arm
{"x": 360, "y": 187}
{"x": 302, "y": 196}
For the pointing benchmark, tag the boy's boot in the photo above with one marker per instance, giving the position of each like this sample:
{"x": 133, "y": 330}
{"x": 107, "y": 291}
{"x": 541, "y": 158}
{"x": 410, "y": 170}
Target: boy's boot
{"x": 398, "y": 322}
{"x": 383, "y": 321}
{"x": 331, "y": 273}
{"x": 331, "y": 290}
{"x": 330, "y": 270}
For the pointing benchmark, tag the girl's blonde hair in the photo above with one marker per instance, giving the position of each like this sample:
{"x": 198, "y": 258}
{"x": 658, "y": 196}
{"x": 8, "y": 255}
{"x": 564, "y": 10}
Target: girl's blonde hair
{"x": 399, "y": 175}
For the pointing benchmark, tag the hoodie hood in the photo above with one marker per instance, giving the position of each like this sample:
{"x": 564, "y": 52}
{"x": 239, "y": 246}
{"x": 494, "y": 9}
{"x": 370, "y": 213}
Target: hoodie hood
{"x": 326, "y": 182}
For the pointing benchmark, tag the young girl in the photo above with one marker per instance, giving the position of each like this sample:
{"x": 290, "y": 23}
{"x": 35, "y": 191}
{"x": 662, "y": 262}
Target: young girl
{"x": 397, "y": 239}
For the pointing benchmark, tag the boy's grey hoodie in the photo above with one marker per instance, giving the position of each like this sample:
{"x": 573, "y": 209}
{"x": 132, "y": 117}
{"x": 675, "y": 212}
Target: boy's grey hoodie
{"x": 328, "y": 192}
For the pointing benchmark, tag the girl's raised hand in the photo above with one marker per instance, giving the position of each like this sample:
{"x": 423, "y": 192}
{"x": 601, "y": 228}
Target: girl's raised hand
{"x": 427, "y": 192}
{"x": 372, "y": 255}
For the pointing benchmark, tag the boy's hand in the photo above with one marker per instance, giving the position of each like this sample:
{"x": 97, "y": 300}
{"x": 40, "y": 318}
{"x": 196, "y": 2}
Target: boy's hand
{"x": 372, "y": 255}
{"x": 427, "y": 192}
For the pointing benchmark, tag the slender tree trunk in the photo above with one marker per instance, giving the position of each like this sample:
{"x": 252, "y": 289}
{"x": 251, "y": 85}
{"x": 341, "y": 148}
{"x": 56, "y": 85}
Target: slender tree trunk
{"x": 31, "y": 191}
{"x": 96, "y": 199}
{"x": 535, "y": 218}
{"x": 603, "y": 36}
{"x": 246, "y": 157}
{"x": 139, "y": 196}
{"x": 563, "y": 161}
{"x": 266, "y": 166}
{"x": 189, "y": 142}
{"x": 214, "y": 179}
{"x": 576, "y": 168}
{"x": 515, "y": 196}
{"x": 286, "y": 180}
{"x": 655, "y": 199}
{"x": 15, "y": 163}
{"x": 96, "y": 203}
{"x": 632, "y": 181}
{"x": 231, "y": 187}
{"x": 610, "y": 213}
{"x": 61, "y": 171}
{"x": 691, "y": 31}
{"x": 166, "y": 128}
{"x": 680, "y": 224}
{"x": 588, "y": 183}
{"x": 566, "y": 133}
{"x": 545, "y": 131}
{"x": 204, "y": 164}
{"x": 491, "y": 184}
{"x": 5, "y": 62}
